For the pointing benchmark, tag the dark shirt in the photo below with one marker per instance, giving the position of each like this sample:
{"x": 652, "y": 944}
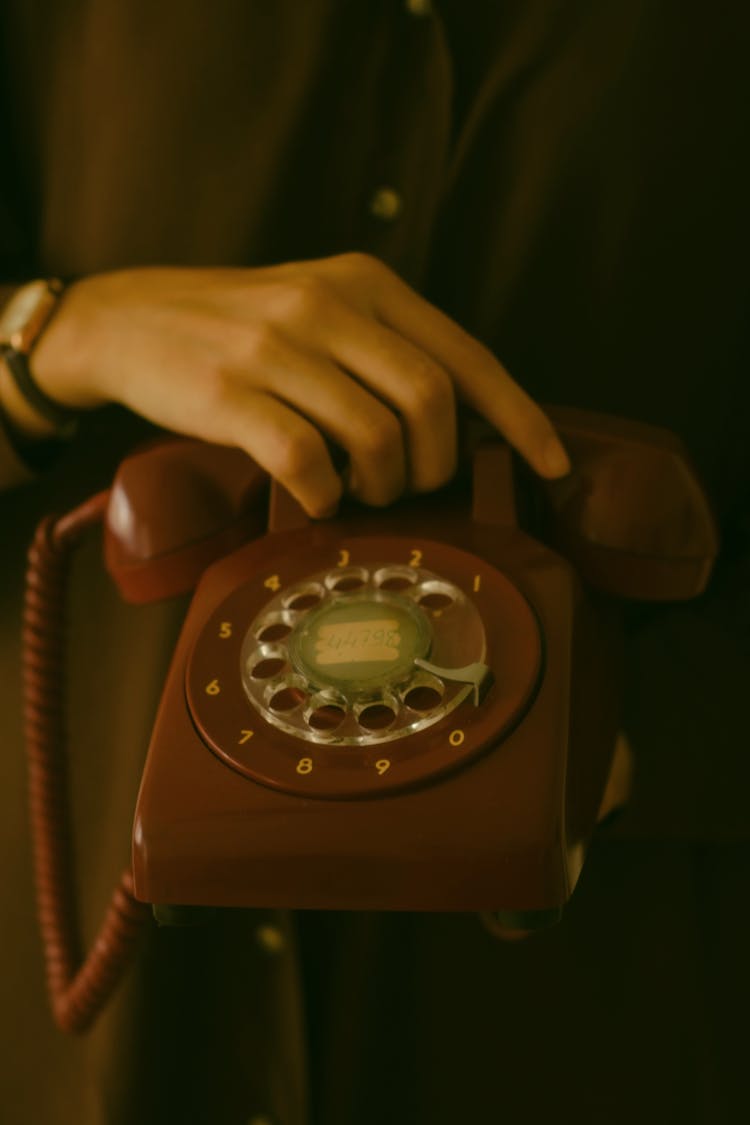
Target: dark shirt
{"x": 571, "y": 186}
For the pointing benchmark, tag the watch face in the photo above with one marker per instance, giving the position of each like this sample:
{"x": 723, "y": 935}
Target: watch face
{"x": 26, "y": 313}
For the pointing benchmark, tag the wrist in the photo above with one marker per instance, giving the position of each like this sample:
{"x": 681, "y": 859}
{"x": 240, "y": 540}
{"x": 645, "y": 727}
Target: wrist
{"x": 33, "y": 421}
{"x": 59, "y": 363}
{"x": 21, "y": 418}
{"x": 34, "y": 440}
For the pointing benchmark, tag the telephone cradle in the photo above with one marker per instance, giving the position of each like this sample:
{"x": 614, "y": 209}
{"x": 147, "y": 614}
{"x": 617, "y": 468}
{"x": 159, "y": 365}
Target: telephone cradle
{"x": 409, "y": 709}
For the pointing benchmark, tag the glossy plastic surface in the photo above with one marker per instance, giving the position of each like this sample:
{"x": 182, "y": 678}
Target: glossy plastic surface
{"x": 174, "y": 508}
{"x": 491, "y": 806}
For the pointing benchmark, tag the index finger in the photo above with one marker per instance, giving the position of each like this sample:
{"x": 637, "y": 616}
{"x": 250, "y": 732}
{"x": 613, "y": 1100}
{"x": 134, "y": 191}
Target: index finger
{"x": 480, "y": 378}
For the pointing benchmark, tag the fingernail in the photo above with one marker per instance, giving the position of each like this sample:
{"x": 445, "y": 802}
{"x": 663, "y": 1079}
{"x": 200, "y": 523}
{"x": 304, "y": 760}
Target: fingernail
{"x": 556, "y": 459}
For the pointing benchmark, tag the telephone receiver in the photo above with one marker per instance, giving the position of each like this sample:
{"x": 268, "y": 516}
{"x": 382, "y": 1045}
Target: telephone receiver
{"x": 408, "y": 709}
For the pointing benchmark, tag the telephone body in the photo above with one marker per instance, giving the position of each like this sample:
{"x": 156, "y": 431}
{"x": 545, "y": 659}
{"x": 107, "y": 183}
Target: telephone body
{"x": 405, "y": 709}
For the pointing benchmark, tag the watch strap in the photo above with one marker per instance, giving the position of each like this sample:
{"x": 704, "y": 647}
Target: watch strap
{"x": 62, "y": 417}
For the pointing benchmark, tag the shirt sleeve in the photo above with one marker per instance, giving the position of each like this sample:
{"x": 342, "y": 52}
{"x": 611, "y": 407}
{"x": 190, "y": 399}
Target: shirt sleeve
{"x": 13, "y": 470}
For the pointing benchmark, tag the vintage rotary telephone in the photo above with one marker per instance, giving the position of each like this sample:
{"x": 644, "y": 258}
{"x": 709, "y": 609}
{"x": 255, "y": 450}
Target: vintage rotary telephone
{"x": 407, "y": 709}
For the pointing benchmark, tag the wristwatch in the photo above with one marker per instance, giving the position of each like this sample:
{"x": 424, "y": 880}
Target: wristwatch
{"x": 22, "y": 320}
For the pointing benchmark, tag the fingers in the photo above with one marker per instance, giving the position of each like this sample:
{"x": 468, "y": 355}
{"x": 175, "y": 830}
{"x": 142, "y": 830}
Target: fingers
{"x": 332, "y": 322}
{"x": 411, "y": 383}
{"x": 393, "y": 394}
{"x": 286, "y": 445}
{"x": 480, "y": 379}
{"x": 374, "y": 366}
{"x": 280, "y": 359}
{"x": 342, "y": 409}
{"x": 220, "y": 406}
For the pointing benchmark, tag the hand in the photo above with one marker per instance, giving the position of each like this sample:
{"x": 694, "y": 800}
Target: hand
{"x": 276, "y": 360}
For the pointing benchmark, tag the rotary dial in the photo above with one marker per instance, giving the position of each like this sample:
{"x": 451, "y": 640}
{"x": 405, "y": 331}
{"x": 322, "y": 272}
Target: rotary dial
{"x": 352, "y": 656}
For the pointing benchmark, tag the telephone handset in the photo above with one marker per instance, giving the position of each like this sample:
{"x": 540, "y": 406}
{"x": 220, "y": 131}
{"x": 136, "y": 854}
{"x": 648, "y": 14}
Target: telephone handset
{"x": 405, "y": 709}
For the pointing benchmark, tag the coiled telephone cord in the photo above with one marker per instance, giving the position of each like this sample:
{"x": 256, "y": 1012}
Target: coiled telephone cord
{"x": 78, "y": 986}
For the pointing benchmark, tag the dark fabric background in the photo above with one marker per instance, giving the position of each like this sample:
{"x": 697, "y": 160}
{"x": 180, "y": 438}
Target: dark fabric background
{"x": 574, "y": 179}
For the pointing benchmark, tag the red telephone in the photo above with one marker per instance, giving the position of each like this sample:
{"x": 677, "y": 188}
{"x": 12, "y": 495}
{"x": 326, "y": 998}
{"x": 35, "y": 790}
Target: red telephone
{"x": 408, "y": 709}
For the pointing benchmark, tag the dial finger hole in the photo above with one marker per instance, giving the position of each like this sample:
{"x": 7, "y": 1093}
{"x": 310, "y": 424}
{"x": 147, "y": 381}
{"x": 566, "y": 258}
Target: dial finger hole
{"x": 423, "y": 698}
{"x": 346, "y": 581}
{"x": 326, "y": 711}
{"x": 304, "y": 597}
{"x": 435, "y": 601}
{"x": 267, "y": 667}
{"x": 436, "y": 596}
{"x": 395, "y": 578}
{"x": 326, "y": 718}
{"x": 287, "y": 698}
{"x": 377, "y": 716}
{"x": 274, "y": 631}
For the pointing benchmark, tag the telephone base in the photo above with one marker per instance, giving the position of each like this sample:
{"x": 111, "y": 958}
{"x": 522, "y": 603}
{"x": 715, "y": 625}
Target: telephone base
{"x": 487, "y": 809}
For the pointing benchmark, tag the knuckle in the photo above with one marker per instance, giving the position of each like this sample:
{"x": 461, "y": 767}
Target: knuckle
{"x": 429, "y": 389}
{"x": 263, "y": 342}
{"x": 360, "y": 264}
{"x": 216, "y": 386}
{"x": 304, "y": 297}
{"x": 383, "y": 437}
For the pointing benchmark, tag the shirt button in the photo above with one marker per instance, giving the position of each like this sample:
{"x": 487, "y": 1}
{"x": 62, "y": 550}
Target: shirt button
{"x": 419, "y": 7}
{"x": 386, "y": 204}
{"x": 270, "y": 939}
